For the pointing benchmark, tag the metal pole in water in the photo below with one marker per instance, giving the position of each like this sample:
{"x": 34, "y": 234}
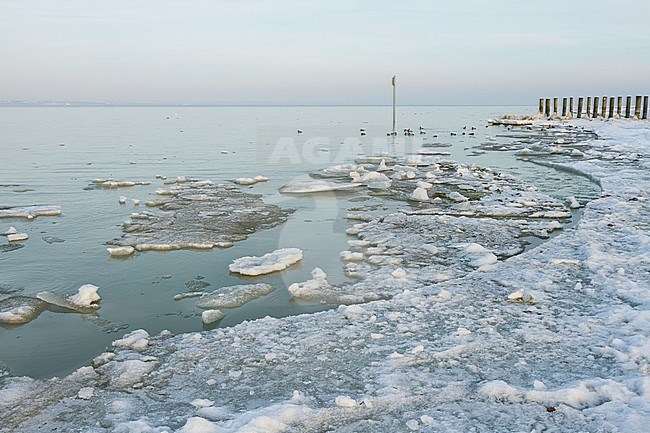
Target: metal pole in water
{"x": 393, "y": 83}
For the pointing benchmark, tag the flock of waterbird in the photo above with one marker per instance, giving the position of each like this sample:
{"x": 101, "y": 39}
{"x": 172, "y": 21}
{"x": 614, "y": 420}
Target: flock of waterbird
{"x": 408, "y": 132}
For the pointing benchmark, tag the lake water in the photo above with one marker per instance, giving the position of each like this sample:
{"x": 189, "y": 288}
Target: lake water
{"x": 52, "y": 154}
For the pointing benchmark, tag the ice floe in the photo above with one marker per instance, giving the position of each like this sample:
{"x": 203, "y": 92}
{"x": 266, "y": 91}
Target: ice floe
{"x": 211, "y": 316}
{"x": 17, "y": 237}
{"x": 86, "y": 300}
{"x": 233, "y": 296}
{"x": 250, "y": 180}
{"x": 120, "y": 251}
{"x": 29, "y": 212}
{"x": 315, "y": 186}
{"x": 270, "y": 262}
{"x": 112, "y": 183}
{"x": 198, "y": 215}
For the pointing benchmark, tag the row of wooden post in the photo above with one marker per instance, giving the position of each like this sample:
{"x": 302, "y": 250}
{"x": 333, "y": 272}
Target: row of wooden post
{"x": 599, "y": 110}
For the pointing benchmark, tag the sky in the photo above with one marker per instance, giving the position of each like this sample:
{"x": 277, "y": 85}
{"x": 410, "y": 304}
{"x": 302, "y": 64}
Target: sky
{"x": 322, "y": 52}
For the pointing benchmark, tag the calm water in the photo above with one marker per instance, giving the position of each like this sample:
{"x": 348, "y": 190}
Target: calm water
{"x": 55, "y": 152}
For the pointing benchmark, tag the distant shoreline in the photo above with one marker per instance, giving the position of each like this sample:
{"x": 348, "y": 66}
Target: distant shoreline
{"x": 82, "y": 104}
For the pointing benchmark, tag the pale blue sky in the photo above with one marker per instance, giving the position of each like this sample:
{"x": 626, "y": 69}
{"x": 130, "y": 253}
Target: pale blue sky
{"x": 322, "y": 52}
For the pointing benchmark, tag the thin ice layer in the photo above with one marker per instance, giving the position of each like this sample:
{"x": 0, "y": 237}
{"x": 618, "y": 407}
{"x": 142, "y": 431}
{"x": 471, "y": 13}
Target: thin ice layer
{"x": 233, "y": 296}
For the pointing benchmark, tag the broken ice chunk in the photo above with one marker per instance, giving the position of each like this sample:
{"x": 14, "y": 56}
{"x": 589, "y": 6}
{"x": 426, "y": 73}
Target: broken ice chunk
{"x": 573, "y": 203}
{"x": 313, "y": 186}
{"x": 521, "y": 295}
{"x": 345, "y": 401}
{"x": 137, "y": 340}
{"x": 20, "y": 309}
{"x": 86, "y": 296}
{"x": 17, "y": 237}
{"x": 30, "y": 212}
{"x": 233, "y": 296}
{"x": 271, "y": 262}
{"x": 211, "y": 316}
{"x": 349, "y": 256}
{"x": 419, "y": 194}
{"x": 84, "y": 301}
{"x": 120, "y": 251}
{"x": 310, "y": 288}
{"x": 457, "y": 197}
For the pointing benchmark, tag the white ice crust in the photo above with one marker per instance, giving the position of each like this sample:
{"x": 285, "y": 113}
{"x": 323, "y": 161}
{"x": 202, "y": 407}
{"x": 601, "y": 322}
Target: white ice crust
{"x": 270, "y": 262}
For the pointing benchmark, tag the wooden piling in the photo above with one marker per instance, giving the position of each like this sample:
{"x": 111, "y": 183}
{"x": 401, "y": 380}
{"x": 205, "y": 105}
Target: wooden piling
{"x": 637, "y": 108}
{"x": 645, "y": 108}
{"x": 619, "y": 102}
{"x": 628, "y": 104}
{"x": 603, "y": 112}
{"x": 547, "y": 107}
{"x": 588, "y": 113}
{"x": 571, "y": 106}
{"x": 610, "y": 113}
{"x": 541, "y": 106}
{"x": 595, "y": 112}
{"x": 554, "y": 106}
{"x": 563, "y": 107}
{"x": 580, "y": 101}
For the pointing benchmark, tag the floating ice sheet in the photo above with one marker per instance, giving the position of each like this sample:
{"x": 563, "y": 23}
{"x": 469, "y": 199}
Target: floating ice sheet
{"x": 29, "y": 212}
{"x": 233, "y": 296}
{"x": 314, "y": 186}
{"x": 199, "y": 215}
{"x": 270, "y": 262}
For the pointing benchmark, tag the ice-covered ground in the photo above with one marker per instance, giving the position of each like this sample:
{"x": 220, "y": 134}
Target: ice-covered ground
{"x": 554, "y": 339}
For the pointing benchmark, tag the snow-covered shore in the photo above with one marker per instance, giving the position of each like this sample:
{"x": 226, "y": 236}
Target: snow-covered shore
{"x": 440, "y": 355}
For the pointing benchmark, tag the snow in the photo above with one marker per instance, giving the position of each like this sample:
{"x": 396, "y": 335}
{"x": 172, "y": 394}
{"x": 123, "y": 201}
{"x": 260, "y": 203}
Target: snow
{"x": 270, "y": 262}
{"x": 450, "y": 348}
